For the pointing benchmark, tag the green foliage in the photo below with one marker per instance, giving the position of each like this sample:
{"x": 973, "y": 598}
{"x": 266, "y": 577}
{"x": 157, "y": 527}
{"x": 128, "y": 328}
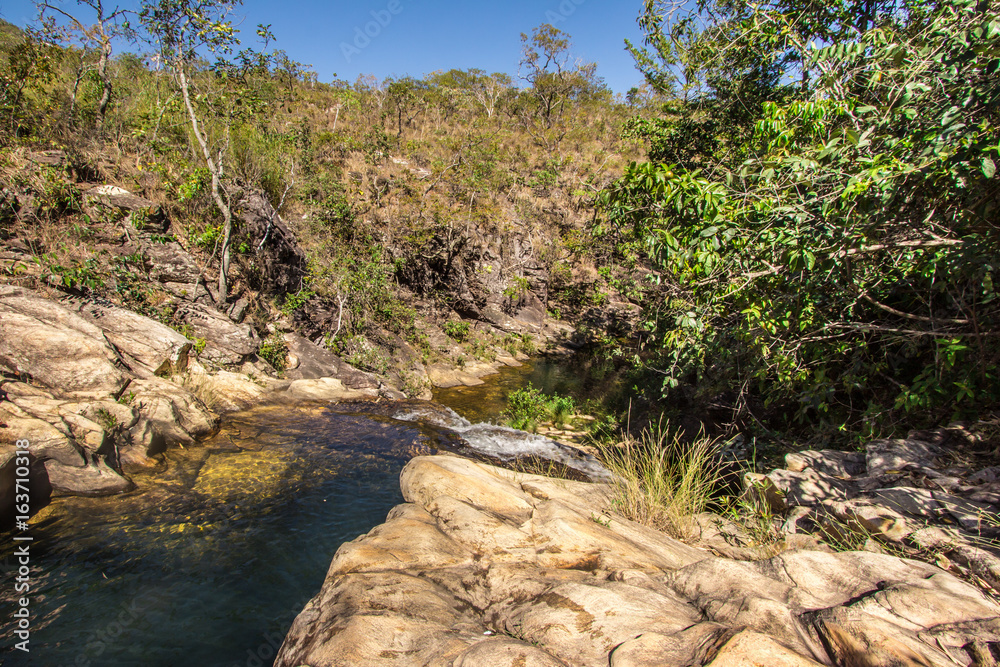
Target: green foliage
{"x": 527, "y": 407}
{"x": 295, "y": 301}
{"x": 84, "y": 275}
{"x": 360, "y": 353}
{"x": 30, "y": 62}
{"x": 274, "y": 351}
{"x": 518, "y": 287}
{"x": 514, "y": 343}
{"x": 106, "y": 419}
{"x": 361, "y": 279}
{"x": 843, "y": 270}
{"x": 208, "y": 239}
{"x": 457, "y": 329}
{"x": 199, "y": 345}
{"x": 196, "y": 185}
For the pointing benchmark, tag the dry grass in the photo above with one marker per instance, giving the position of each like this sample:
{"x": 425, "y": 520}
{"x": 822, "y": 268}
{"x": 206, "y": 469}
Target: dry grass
{"x": 663, "y": 482}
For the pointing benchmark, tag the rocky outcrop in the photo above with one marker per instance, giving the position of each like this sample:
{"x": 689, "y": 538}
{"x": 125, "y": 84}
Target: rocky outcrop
{"x": 101, "y": 391}
{"x": 923, "y": 496}
{"x": 176, "y": 271}
{"x": 39, "y": 336}
{"x": 68, "y": 450}
{"x": 225, "y": 341}
{"x": 283, "y": 260}
{"x": 485, "y": 566}
{"x": 147, "y": 346}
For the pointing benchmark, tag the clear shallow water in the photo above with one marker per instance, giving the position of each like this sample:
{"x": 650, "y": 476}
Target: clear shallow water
{"x": 209, "y": 564}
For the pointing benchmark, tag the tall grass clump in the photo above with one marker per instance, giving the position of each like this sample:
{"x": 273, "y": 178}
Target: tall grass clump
{"x": 661, "y": 481}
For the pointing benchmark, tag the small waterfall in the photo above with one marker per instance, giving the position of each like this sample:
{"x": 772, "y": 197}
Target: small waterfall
{"x": 505, "y": 443}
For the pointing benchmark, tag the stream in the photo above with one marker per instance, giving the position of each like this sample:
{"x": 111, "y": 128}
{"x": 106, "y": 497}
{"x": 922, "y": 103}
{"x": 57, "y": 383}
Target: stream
{"x": 208, "y": 562}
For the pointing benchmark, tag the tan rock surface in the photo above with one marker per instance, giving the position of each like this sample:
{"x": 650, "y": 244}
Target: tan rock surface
{"x": 485, "y": 566}
{"x": 38, "y": 336}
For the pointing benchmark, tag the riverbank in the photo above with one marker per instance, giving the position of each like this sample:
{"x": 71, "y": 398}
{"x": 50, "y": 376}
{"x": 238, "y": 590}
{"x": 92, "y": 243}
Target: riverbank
{"x": 101, "y": 392}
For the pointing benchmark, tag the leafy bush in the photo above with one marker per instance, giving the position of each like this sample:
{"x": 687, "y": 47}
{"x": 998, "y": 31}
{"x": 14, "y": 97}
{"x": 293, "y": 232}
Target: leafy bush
{"x": 457, "y": 329}
{"x": 842, "y": 270}
{"x": 527, "y": 407}
{"x": 295, "y": 301}
{"x": 274, "y": 351}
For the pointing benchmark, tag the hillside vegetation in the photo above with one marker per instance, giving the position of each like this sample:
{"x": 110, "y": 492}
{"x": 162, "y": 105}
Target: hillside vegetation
{"x": 811, "y": 237}
{"x": 461, "y": 194}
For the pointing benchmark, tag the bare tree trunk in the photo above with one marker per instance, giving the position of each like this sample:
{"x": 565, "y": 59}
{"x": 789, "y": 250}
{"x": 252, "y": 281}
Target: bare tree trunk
{"x": 216, "y": 171}
{"x": 80, "y": 71}
{"x": 102, "y": 72}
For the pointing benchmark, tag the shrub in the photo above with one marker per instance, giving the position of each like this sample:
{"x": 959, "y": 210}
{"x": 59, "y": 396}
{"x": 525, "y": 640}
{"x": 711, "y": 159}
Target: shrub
{"x": 525, "y": 408}
{"x": 458, "y": 330}
{"x": 274, "y": 351}
{"x": 662, "y": 482}
{"x": 529, "y": 406}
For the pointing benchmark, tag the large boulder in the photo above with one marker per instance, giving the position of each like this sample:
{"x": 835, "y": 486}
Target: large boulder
{"x": 309, "y": 361}
{"x": 225, "y": 341}
{"x": 63, "y": 465}
{"x": 60, "y": 349}
{"x": 172, "y": 411}
{"x": 149, "y": 347}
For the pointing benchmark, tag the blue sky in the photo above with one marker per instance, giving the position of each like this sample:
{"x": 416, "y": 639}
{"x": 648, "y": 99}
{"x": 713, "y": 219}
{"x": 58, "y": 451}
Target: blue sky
{"x": 417, "y": 37}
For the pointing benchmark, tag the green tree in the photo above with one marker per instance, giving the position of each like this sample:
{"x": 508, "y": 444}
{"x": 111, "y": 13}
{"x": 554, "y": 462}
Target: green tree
{"x": 30, "y": 61}
{"x": 554, "y": 77}
{"x": 844, "y": 269}
{"x": 182, "y": 31}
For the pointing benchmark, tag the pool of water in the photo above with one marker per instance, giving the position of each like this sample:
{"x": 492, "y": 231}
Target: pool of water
{"x": 208, "y": 563}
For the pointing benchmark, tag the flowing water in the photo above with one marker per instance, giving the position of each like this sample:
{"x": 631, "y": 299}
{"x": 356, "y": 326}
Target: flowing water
{"x": 209, "y": 561}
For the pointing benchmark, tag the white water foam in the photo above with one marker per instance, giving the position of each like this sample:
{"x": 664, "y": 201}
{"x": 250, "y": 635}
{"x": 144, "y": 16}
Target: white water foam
{"x": 507, "y": 443}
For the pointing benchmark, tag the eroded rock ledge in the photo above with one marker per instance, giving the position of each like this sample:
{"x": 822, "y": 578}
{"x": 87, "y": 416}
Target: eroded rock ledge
{"x": 487, "y": 567}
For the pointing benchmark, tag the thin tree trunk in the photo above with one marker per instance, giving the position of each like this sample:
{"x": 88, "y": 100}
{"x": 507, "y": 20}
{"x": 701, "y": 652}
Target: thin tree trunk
{"x": 102, "y": 72}
{"x": 216, "y": 171}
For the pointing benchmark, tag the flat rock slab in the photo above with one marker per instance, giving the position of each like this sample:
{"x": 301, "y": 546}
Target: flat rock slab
{"x": 444, "y": 376}
{"x": 810, "y": 487}
{"x": 327, "y": 390}
{"x": 889, "y": 455}
{"x": 828, "y": 462}
{"x": 60, "y": 349}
